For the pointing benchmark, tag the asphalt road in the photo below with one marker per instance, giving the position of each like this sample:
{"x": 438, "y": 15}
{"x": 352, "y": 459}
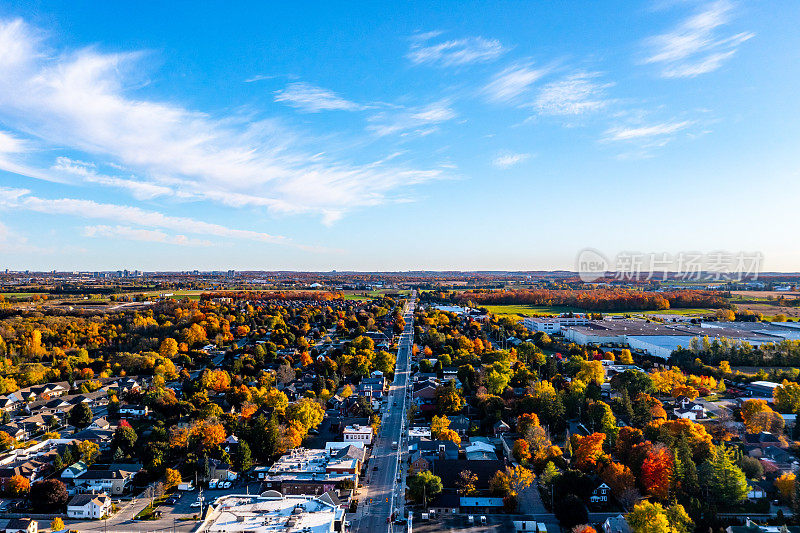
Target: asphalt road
{"x": 384, "y": 493}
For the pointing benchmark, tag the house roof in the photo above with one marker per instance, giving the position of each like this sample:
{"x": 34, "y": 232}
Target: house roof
{"x": 80, "y": 500}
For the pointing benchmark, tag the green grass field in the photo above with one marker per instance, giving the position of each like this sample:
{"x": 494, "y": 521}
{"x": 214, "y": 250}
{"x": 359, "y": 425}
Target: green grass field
{"x": 529, "y": 310}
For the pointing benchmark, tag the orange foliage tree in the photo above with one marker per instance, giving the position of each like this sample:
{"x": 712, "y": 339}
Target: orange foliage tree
{"x": 587, "y": 450}
{"x": 657, "y": 472}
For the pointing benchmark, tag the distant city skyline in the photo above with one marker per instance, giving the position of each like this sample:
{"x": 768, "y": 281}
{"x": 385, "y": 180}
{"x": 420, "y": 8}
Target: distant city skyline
{"x": 382, "y": 137}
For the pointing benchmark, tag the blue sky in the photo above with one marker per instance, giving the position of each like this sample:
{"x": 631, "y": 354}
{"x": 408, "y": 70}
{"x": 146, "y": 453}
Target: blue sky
{"x": 427, "y": 135}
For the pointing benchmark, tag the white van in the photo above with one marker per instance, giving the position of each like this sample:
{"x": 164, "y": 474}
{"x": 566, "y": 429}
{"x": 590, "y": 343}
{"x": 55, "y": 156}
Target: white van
{"x": 483, "y": 520}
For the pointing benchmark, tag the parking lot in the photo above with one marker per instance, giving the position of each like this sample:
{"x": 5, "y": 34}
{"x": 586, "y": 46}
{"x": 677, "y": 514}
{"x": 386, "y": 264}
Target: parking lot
{"x": 174, "y": 518}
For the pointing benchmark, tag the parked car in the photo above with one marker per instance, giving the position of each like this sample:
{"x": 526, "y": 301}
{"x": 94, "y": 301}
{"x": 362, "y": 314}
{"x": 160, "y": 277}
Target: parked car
{"x": 196, "y": 504}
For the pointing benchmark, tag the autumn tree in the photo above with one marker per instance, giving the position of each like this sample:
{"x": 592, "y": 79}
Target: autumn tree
{"x": 18, "y": 485}
{"x": 467, "y": 483}
{"x": 168, "y": 348}
{"x": 587, "y": 450}
{"x": 56, "y": 524}
{"x": 521, "y": 451}
{"x": 657, "y": 472}
{"x": 758, "y": 417}
{"x": 618, "y": 477}
{"x": 89, "y": 451}
{"x": 591, "y": 371}
{"x": 648, "y": 517}
{"x": 787, "y": 397}
{"x": 306, "y": 412}
{"x": 785, "y": 485}
{"x": 6, "y": 441}
{"x": 448, "y": 399}
{"x": 172, "y": 478}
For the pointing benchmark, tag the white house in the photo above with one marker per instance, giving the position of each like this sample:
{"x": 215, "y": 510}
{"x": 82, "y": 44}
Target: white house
{"x": 89, "y": 506}
{"x": 688, "y": 409}
{"x": 358, "y": 433}
{"x": 600, "y": 494}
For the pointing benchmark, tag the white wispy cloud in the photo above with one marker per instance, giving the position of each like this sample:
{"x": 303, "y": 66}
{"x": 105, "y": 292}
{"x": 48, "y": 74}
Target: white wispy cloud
{"x": 664, "y": 129}
{"x": 510, "y": 159}
{"x": 415, "y": 121}
{"x": 313, "y": 99}
{"x": 86, "y": 101}
{"x": 11, "y": 198}
{"x": 697, "y": 45}
{"x": 453, "y": 52}
{"x": 576, "y": 94}
{"x": 259, "y": 77}
{"x": 10, "y": 144}
{"x": 142, "y": 235}
{"x": 513, "y": 84}
{"x": 139, "y": 189}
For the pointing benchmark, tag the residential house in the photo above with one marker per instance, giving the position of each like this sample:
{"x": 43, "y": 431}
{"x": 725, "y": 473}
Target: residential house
{"x": 600, "y": 494}
{"x": 460, "y": 424}
{"x": 19, "y": 525}
{"x": 762, "y": 440}
{"x": 100, "y": 423}
{"x": 94, "y": 506}
{"x": 74, "y": 470}
{"x": 687, "y": 409}
{"x": 222, "y": 470}
{"x": 110, "y": 481}
{"x": 500, "y": 427}
{"x": 419, "y": 463}
{"x": 31, "y": 469}
{"x": 616, "y": 524}
{"x": 436, "y": 449}
{"x": 480, "y": 450}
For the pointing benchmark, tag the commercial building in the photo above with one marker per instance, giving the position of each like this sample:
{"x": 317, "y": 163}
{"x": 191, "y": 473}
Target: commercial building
{"x": 660, "y": 340}
{"x": 358, "y": 433}
{"x": 272, "y": 511}
{"x": 553, "y": 325}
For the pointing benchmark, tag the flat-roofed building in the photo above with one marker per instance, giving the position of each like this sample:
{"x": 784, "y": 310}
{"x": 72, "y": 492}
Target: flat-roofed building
{"x": 272, "y": 511}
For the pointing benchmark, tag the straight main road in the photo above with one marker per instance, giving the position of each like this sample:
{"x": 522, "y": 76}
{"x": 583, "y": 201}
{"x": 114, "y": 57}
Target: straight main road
{"x": 385, "y": 492}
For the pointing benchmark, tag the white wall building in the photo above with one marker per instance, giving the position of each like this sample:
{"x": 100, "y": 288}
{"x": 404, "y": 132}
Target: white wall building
{"x": 553, "y": 325}
{"x": 271, "y": 511}
{"x": 94, "y": 506}
{"x": 358, "y": 433}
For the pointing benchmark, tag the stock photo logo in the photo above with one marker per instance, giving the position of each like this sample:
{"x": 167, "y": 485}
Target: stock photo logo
{"x": 592, "y": 265}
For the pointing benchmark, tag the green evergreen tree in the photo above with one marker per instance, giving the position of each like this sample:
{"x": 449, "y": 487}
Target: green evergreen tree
{"x": 725, "y": 481}
{"x": 686, "y": 473}
{"x": 244, "y": 459}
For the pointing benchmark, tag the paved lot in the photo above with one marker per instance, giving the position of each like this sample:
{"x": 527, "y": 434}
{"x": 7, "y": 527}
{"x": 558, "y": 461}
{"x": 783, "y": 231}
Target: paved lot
{"x": 173, "y": 517}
